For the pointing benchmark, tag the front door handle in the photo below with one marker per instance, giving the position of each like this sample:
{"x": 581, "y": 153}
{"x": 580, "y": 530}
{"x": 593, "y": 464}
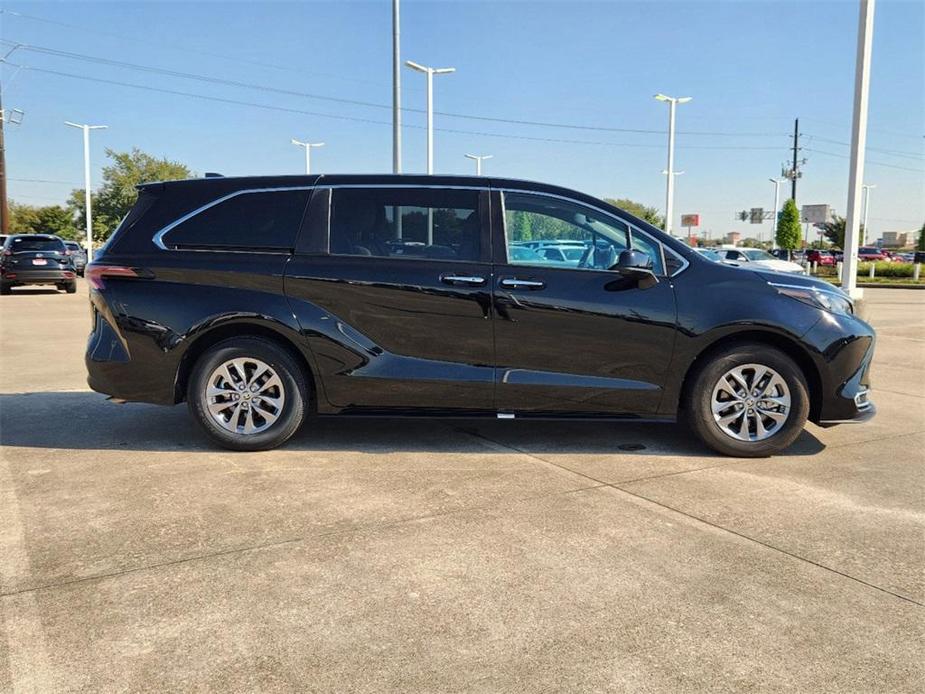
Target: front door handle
{"x": 515, "y": 283}
{"x": 467, "y": 280}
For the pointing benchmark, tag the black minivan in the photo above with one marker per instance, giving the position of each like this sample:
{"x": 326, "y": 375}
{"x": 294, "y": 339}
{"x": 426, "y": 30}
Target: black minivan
{"x": 261, "y": 301}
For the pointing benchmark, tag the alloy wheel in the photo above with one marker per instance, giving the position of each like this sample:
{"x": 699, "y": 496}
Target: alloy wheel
{"x": 751, "y": 402}
{"x": 245, "y": 396}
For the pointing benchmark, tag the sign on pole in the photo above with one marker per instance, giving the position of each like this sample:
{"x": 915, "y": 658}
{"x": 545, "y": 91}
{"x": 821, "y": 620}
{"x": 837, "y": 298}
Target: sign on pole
{"x": 690, "y": 220}
{"x": 756, "y": 216}
{"x": 816, "y": 214}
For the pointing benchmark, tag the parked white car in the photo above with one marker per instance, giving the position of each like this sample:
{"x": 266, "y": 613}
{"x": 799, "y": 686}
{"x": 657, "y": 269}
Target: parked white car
{"x": 756, "y": 258}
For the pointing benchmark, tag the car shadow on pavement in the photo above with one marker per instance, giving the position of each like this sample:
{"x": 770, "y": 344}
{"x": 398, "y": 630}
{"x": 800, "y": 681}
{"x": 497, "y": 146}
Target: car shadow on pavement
{"x": 84, "y": 420}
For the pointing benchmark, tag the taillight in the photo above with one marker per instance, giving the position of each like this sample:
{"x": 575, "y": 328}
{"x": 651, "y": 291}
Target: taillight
{"x": 67, "y": 252}
{"x": 94, "y": 274}
{"x": 7, "y": 252}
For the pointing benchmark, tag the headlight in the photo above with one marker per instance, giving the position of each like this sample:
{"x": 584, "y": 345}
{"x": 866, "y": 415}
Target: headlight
{"x": 835, "y": 302}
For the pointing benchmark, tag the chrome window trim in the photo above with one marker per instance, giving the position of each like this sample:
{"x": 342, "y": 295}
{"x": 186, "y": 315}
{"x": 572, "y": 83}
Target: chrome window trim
{"x": 158, "y": 238}
{"x": 334, "y": 186}
{"x": 630, "y": 226}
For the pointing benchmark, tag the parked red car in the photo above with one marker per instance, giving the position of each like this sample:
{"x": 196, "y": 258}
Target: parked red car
{"x": 867, "y": 253}
{"x": 820, "y": 257}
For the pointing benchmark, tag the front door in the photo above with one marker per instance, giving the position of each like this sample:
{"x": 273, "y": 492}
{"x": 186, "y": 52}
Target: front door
{"x": 571, "y": 335}
{"x": 397, "y": 306}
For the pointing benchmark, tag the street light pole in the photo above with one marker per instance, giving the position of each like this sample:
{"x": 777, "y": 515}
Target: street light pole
{"x": 776, "y": 182}
{"x": 866, "y": 188}
{"x": 669, "y": 188}
{"x": 396, "y": 88}
{"x": 430, "y": 72}
{"x": 308, "y": 152}
{"x": 849, "y": 279}
{"x": 478, "y": 161}
{"x": 89, "y": 213}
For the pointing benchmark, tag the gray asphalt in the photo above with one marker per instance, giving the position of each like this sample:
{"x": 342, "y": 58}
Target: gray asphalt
{"x": 416, "y": 556}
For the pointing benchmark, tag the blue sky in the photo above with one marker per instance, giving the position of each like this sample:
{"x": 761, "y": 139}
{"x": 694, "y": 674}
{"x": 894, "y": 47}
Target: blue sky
{"x": 750, "y": 66}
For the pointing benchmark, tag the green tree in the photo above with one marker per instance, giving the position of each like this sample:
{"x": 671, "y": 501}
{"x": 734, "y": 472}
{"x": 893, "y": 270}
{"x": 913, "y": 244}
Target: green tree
{"x": 789, "y": 235}
{"x": 920, "y": 244}
{"x": 834, "y": 231}
{"x": 49, "y": 219}
{"x": 115, "y": 197}
{"x": 648, "y": 214}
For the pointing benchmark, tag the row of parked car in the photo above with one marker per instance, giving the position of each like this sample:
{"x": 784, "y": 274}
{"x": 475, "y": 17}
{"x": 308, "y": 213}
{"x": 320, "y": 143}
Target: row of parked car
{"x": 40, "y": 259}
{"x": 793, "y": 261}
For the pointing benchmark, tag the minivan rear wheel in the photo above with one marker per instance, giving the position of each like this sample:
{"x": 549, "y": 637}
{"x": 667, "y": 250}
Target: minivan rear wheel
{"x": 247, "y": 394}
{"x": 748, "y": 400}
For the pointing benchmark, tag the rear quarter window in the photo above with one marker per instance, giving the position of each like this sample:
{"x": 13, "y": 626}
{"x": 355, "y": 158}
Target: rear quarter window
{"x": 260, "y": 220}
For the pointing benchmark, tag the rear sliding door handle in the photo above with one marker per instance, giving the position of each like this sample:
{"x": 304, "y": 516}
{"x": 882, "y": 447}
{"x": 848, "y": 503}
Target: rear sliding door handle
{"x": 467, "y": 280}
{"x": 514, "y": 283}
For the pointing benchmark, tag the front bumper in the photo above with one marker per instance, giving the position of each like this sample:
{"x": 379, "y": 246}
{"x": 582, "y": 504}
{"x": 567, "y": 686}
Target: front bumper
{"x": 844, "y": 351}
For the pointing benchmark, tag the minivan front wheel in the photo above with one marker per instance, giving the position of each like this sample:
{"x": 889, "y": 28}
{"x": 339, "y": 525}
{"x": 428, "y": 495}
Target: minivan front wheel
{"x": 247, "y": 394}
{"x": 748, "y": 400}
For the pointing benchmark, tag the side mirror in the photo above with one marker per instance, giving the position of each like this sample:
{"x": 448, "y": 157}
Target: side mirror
{"x": 636, "y": 265}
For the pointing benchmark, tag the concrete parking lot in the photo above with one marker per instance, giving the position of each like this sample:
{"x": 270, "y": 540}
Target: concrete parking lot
{"x": 402, "y": 556}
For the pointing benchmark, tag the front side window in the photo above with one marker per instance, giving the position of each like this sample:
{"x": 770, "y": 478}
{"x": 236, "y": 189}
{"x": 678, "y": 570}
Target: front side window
{"x": 264, "y": 221}
{"x": 425, "y": 224}
{"x": 566, "y": 234}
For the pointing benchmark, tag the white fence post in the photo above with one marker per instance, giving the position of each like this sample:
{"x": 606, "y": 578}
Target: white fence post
{"x": 873, "y": 267}
{"x": 915, "y": 271}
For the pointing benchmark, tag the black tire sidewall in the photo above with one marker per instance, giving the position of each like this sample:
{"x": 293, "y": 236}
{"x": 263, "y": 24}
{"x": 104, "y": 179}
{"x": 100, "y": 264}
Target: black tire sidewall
{"x": 698, "y": 408}
{"x": 286, "y": 368}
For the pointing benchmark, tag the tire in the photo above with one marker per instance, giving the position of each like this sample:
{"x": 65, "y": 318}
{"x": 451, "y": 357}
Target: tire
{"x": 718, "y": 382}
{"x": 251, "y": 355}
{"x": 71, "y": 287}
{"x": 5, "y": 289}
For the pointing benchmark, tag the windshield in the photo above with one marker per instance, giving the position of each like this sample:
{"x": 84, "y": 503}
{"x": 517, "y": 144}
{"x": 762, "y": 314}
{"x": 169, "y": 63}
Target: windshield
{"x": 38, "y": 243}
{"x": 73, "y": 246}
{"x": 758, "y": 254}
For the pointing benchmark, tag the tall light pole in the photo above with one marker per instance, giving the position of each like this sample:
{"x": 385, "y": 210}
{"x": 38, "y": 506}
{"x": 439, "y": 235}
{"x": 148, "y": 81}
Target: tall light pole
{"x": 87, "y": 129}
{"x": 849, "y": 279}
{"x": 430, "y": 72}
{"x": 478, "y": 161}
{"x": 308, "y": 152}
{"x": 776, "y": 182}
{"x": 669, "y": 188}
{"x": 396, "y": 88}
{"x": 866, "y": 188}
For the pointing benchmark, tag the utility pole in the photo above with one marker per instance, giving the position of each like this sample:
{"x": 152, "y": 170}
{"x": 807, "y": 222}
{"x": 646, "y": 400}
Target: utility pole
{"x": 396, "y": 89}
{"x": 86, "y": 130}
{"x": 4, "y": 204}
{"x": 478, "y": 161}
{"x": 670, "y": 172}
{"x": 308, "y": 152}
{"x": 849, "y": 280}
{"x": 796, "y": 148}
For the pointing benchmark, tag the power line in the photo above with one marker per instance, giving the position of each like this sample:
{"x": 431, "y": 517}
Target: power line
{"x": 372, "y": 121}
{"x": 875, "y": 163}
{"x": 359, "y": 102}
{"x": 894, "y": 152}
{"x": 159, "y": 44}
